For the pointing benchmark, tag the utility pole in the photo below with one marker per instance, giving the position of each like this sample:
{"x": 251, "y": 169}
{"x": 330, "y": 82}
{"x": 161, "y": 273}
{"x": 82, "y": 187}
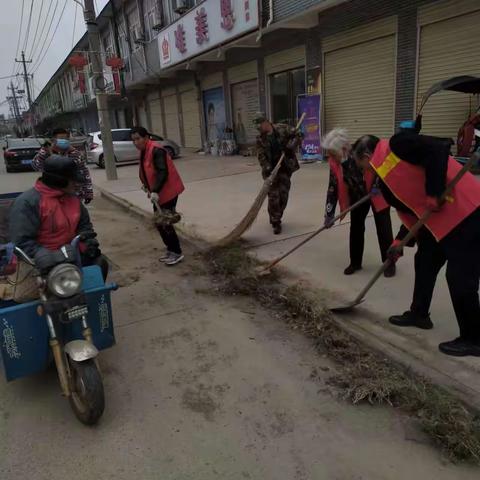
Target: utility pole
{"x": 16, "y": 110}
{"x": 99, "y": 86}
{"x": 25, "y": 78}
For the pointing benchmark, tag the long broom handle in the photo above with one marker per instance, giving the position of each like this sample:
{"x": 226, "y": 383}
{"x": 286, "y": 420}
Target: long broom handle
{"x": 272, "y": 176}
{"x": 421, "y": 221}
{"x": 316, "y": 232}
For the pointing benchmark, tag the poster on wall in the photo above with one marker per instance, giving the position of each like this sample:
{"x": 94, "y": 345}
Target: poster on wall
{"x": 245, "y": 105}
{"x": 311, "y": 146}
{"x": 214, "y": 112}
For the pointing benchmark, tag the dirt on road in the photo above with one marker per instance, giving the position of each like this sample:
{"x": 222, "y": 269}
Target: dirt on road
{"x": 200, "y": 387}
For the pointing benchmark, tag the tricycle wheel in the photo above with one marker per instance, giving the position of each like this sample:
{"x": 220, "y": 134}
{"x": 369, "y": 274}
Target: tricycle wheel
{"x": 87, "y": 397}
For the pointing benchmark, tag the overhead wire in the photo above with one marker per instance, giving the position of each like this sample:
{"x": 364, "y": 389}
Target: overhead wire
{"x": 19, "y": 37}
{"x": 35, "y": 46}
{"x": 52, "y": 18}
{"x": 39, "y": 21}
{"x": 35, "y": 67}
{"x": 74, "y": 23}
{"x": 27, "y": 31}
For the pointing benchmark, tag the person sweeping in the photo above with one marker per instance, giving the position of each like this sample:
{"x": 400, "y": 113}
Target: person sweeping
{"x": 272, "y": 141}
{"x": 414, "y": 171}
{"x": 347, "y": 185}
{"x": 162, "y": 182}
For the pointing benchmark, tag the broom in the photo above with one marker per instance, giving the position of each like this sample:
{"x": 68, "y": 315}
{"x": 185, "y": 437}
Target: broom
{"x": 265, "y": 270}
{"x": 252, "y": 214}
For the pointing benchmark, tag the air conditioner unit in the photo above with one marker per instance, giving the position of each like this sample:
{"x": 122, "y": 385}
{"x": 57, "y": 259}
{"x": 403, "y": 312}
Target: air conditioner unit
{"x": 183, "y": 6}
{"x": 137, "y": 35}
{"x": 157, "y": 19}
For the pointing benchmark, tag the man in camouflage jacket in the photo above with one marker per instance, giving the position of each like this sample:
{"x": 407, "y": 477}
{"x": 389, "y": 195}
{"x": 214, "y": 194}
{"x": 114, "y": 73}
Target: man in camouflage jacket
{"x": 272, "y": 141}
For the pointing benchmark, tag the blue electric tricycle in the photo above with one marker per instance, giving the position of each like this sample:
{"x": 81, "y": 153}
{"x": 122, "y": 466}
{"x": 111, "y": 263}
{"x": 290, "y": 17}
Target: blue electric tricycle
{"x": 68, "y": 325}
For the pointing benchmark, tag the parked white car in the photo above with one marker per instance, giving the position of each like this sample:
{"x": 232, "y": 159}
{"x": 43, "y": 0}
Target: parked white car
{"x": 123, "y": 147}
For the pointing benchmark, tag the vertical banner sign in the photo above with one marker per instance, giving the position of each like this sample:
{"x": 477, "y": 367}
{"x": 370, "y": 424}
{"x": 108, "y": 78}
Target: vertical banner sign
{"x": 214, "y": 111}
{"x": 311, "y": 147}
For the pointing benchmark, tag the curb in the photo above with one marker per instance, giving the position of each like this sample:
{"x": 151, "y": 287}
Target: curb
{"x": 398, "y": 355}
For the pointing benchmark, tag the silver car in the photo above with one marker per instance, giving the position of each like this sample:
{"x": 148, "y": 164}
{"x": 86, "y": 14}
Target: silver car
{"x": 123, "y": 147}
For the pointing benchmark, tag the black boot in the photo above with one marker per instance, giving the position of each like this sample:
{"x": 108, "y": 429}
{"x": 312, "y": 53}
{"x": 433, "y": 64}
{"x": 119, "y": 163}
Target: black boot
{"x": 460, "y": 348}
{"x": 277, "y": 228}
{"x": 351, "y": 269}
{"x": 390, "y": 271}
{"x": 411, "y": 319}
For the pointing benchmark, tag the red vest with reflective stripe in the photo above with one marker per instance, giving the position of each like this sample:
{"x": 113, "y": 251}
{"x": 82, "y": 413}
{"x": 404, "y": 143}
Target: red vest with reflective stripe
{"x": 59, "y": 217}
{"x": 172, "y": 187}
{"x": 407, "y": 183}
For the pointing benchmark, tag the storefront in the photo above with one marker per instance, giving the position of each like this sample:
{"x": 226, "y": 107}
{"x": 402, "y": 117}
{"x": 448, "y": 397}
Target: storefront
{"x": 190, "y": 115}
{"x": 196, "y": 35}
{"x": 243, "y": 82}
{"x": 359, "y": 79}
{"x": 155, "y": 110}
{"x": 285, "y": 73}
{"x": 172, "y": 121}
{"x": 446, "y": 31}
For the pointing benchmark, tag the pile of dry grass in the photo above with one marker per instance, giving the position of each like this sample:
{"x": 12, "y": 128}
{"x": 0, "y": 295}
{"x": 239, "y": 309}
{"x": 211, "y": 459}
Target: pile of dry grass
{"x": 364, "y": 375}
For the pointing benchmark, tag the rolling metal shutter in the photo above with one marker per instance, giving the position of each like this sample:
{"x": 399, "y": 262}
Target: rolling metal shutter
{"x": 243, "y": 72}
{"x": 171, "y": 118}
{"x": 212, "y": 81}
{"x": 285, "y": 60}
{"x": 190, "y": 115}
{"x": 446, "y": 50}
{"x": 359, "y": 79}
{"x": 155, "y": 108}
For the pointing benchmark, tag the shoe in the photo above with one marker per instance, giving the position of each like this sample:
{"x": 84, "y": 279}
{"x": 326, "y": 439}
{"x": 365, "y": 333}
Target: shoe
{"x": 460, "y": 348}
{"x": 174, "y": 259}
{"x": 350, "y": 270}
{"x": 390, "y": 271}
{"x": 165, "y": 256}
{"x": 411, "y": 319}
{"x": 277, "y": 228}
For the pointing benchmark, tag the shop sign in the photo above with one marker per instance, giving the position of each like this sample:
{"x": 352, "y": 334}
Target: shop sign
{"x": 213, "y": 23}
{"x": 311, "y": 146}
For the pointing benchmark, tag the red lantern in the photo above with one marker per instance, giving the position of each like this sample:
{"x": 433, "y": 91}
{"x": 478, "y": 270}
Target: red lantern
{"x": 78, "y": 61}
{"x": 116, "y": 64}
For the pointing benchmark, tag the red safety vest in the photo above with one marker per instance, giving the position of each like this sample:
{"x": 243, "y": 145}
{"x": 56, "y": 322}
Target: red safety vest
{"x": 172, "y": 187}
{"x": 407, "y": 183}
{"x": 59, "y": 217}
{"x": 378, "y": 202}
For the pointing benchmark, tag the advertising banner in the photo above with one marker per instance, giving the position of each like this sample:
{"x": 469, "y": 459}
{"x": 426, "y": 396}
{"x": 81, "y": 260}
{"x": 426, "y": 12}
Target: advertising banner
{"x": 311, "y": 147}
{"x": 214, "y": 111}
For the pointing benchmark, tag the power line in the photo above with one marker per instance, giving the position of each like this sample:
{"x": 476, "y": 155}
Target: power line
{"x": 35, "y": 46}
{"x": 36, "y": 29}
{"x": 74, "y": 23}
{"x": 35, "y": 68}
{"x": 48, "y": 32}
{"x": 19, "y": 36}
{"x": 27, "y": 32}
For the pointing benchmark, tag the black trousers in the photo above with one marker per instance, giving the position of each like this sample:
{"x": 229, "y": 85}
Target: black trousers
{"x": 383, "y": 224}
{"x": 460, "y": 249}
{"x": 167, "y": 232}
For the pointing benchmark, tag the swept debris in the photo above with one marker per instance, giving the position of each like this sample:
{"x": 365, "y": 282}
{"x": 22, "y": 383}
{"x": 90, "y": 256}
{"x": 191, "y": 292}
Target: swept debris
{"x": 364, "y": 375}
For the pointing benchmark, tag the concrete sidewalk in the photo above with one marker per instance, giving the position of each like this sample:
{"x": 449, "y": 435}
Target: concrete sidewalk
{"x": 219, "y": 191}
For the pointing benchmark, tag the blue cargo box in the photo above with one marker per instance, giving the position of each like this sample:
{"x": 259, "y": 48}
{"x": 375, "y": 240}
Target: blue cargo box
{"x": 24, "y": 334}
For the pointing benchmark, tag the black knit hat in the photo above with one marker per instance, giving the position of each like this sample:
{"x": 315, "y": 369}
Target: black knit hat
{"x": 59, "y": 170}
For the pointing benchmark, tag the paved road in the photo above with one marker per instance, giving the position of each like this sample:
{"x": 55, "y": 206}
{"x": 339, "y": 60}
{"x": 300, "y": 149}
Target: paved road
{"x": 199, "y": 388}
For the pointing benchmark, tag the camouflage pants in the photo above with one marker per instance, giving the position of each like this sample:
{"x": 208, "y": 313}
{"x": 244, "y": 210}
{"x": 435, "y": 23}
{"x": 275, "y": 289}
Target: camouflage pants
{"x": 278, "y": 197}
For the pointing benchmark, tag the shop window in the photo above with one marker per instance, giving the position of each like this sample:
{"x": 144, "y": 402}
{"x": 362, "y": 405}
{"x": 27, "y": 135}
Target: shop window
{"x": 285, "y": 87}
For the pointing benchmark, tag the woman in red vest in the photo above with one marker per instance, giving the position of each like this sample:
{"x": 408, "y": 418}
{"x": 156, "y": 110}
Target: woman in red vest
{"x": 160, "y": 179}
{"x": 414, "y": 171}
{"x": 347, "y": 185}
